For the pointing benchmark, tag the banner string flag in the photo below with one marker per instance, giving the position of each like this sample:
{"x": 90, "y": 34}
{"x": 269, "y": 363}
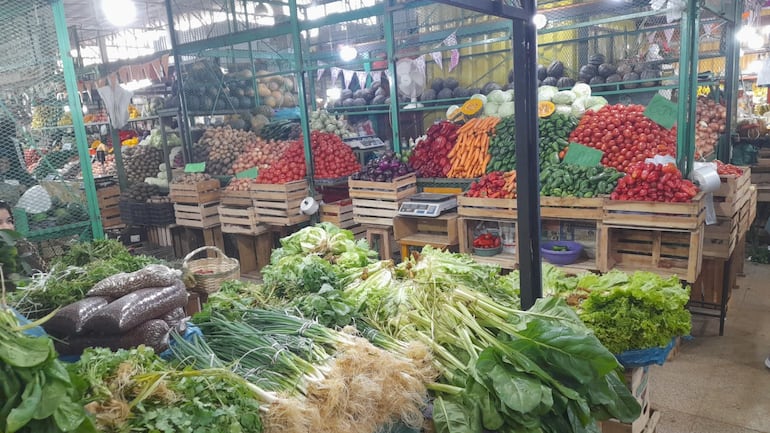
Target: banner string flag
{"x": 420, "y": 62}
{"x": 437, "y": 58}
{"x": 451, "y": 41}
{"x": 362, "y": 78}
{"x": 347, "y": 76}
{"x": 335, "y": 71}
{"x": 320, "y": 73}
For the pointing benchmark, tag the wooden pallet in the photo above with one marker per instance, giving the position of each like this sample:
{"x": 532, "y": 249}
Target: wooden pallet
{"x": 572, "y": 208}
{"x": 684, "y": 216}
{"x": 377, "y": 203}
{"x": 665, "y": 252}
{"x": 339, "y": 213}
{"x": 201, "y": 192}
{"x": 200, "y": 216}
{"x": 278, "y": 204}
{"x": 236, "y": 198}
{"x": 493, "y": 208}
{"x": 719, "y": 239}
{"x": 240, "y": 220}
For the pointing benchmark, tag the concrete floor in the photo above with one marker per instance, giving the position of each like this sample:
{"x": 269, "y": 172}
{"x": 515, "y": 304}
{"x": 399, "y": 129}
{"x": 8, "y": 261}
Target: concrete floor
{"x": 720, "y": 384}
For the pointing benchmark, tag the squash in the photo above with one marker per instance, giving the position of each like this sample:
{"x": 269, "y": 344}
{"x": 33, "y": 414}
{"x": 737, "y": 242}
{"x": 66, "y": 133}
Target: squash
{"x": 542, "y": 72}
{"x": 556, "y": 69}
{"x": 597, "y": 59}
{"x": 607, "y": 69}
{"x": 472, "y": 107}
{"x": 451, "y": 83}
{"x": 545, "y": 108}
{"x": 631, "y": 76}
{"x": 565, "y": 82}
{"x": 263, "y": 91}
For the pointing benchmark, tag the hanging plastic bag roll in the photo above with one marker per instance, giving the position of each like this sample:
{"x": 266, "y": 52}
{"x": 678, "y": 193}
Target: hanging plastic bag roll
{"x": 308, "y": 206}
{"x": 707, "y": 179}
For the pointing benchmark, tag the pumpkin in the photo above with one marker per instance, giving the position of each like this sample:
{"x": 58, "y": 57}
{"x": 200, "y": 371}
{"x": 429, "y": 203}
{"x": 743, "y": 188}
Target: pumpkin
{"x": 545, "y": 108}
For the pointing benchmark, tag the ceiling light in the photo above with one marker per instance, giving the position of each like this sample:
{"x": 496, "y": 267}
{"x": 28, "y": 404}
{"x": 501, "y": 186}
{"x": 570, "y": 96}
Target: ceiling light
{"x": 755, "y": 41}
{"x": 119, "y": 12}
{"x": 348, "y": 53}
{"x": 136, "y": 85}
{"x": 261, "y": 9}
{"x": 540, "y": 21}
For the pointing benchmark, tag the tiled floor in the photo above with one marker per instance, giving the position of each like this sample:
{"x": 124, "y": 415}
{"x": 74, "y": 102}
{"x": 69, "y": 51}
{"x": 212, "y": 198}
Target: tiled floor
{"x": 720, "y": 384}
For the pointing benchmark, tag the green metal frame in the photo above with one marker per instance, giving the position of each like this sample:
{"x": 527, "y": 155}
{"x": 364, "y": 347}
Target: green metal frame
{"x": 73, "y": 96}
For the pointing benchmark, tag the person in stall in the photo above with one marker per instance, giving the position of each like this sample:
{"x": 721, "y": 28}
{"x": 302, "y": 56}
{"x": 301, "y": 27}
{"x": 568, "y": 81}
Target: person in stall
{"x": 31, "y": 261}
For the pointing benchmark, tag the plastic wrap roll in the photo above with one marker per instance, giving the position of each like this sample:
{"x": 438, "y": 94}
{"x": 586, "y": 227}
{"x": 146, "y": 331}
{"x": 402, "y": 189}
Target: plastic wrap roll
{"x": 309, "y": 206}
{"x": 707, "y": 179}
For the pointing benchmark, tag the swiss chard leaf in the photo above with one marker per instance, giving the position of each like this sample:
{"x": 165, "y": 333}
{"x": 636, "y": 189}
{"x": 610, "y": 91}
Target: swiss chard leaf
{"x": 517, "y": 391}
{"x": 449, "y": 417}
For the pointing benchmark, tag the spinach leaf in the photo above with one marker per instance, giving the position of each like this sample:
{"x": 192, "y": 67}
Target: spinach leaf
{"x": 22, "y": 414}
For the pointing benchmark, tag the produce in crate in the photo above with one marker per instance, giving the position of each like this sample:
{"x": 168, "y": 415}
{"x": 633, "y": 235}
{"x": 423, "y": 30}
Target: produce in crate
{"x": 496, "y": 184}
{"x": 575, "y": 101}
{"x": 333, "y": 159}
{"x": 646, "y": 181}
{"x": 191, "y": 178}
{"x": 487, "y": 240}
{"x": 710, "y": 117}
{"x": 141, "y": 162}
{"x": 261, "y": 153}
{"x": 383, "y": 169}
{"x": 281, "y": 130}
{"x": 225, "y": 144}
{"x": 140, "y": 192}
{"x": 239, "y": 184}
{"x": 554, "y": 137}
{"x": 728, "y": 169}
{"x": 430, "y": 156}
{"x": 289, "y": 167}
{"x": 625, "y": 135}
{"x": 470, "y": 155}
{"x": 569, "y": 180}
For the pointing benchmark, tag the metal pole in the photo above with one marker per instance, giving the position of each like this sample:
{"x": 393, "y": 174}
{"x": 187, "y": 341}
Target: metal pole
{"x": 390, "y": 50}
{"x": 73, "y": 97}
{"x": 184, "y": 125}
{"x": 684, "y": 75}
{"x": 297, "y": 46}
{"x": 525, "y": 87}
{"x": 732, "y": 66}
{"x": 693, "y": 16}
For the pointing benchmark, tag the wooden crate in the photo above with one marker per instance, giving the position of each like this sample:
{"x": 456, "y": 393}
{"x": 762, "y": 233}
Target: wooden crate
{"x": 719, "y": 239}
{"x": 278, "y": 204}
{"x": 638, "y": 382}
{"x": 254, "y": 251}
{"x": 161, "y": 235}
{"x": 109, "y": 206}
{"x": 339, "y": 213}
{"x": 198, "y": 193}
{"x": 748, "y": 212}
{"x": 240, "y": 220}
{"x": 197, "y": 216}
{"x": 494, "y": 208}
{"x": 377, "y": 203}
{"x": 439, "y": 232}
{"x": 572, "y": 208}
{"x": 683, "y": 216}
{"x": 465, "y": 227}
{"x": 665, "y": 252}
{"x": 236, "y": 198}
{"x": 710, "y": 285}
{"x": 753, "y": 204}
{"x": 732, "y": 193}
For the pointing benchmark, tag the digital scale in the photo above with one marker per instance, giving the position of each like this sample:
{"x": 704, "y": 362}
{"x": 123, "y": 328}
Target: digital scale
{"x": 427, "y": 204}
{"x": 364, "y": 142}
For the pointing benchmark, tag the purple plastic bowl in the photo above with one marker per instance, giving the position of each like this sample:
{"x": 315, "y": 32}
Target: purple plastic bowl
{"x": 561, "y": 257}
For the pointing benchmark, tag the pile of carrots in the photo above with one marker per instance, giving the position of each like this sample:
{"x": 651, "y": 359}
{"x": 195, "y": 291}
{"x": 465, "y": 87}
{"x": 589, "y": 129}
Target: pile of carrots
{"x": 470, "y": 156}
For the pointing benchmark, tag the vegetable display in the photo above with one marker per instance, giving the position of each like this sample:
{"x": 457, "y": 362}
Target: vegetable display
{"x": 260, "y": 153}
{"x": 383, "y": 169}
{"x": 654, "y": 182}
{"x": 470, "y": 155}
{"x": 568, "y": 180}
{"x": 728, "y": 169}
{"x": 323, "y": 121}
{"x": 430, "y": 156}
{"x": 224, "y": 144}
{"x": 710, "y": 117}
{"x": 554, "y": 135}
{"x": 502, "y": 146}
{"x": 141, "y": 162}
{"x": 38, "y": 394}
{"x": 487, "y": 240}
{"x": 625, "y": 135}
{"x": 496, "y": 184}
{"x": 281, "y": 130}
{"x": 288, "y": 168}
{"x": 332, "y": 158}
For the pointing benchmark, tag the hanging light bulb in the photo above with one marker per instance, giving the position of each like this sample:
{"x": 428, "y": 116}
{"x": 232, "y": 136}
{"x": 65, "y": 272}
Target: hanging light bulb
{"x": 755, "y": 41}
{"x": 348, "y": 53}
{"x": 540, "y": 21}
{"x": 119, "y": 12}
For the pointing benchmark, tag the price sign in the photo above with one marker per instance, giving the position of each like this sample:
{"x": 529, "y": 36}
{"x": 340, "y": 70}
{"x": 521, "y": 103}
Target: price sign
{"x": 248, "y": 174}
{"x": 661, "y": 111}
{"x": 195, "y": 167}
{"x": 583, "y": 155}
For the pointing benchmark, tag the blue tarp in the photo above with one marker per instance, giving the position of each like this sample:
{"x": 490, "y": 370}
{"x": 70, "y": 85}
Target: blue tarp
{"x": 645, "y": 357}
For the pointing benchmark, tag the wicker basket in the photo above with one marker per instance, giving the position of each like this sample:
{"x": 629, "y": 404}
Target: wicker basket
{"x": 215, "y": 270}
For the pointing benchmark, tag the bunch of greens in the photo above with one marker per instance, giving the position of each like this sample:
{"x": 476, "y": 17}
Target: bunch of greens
{"x": 68, "y": 282}
{"x": 313, "y": 257}
{"x": 82, "y": 253}
{"x": 501, "y": 369}
{"x": 312, "y": 378}
{"x": 134, "y": 390}
{"x": 232, "y": 297}
{"x": 36, "y": 392}
{"x": 636, "y": 311}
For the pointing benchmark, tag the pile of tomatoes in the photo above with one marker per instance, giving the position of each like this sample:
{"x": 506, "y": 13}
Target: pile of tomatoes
{"x": 625, "y": 135}
{"x": 728, "y": 169}
{"x": 487, "y": 240}
{"x": 654, "y": 182}
{"x": 332, "y": 157}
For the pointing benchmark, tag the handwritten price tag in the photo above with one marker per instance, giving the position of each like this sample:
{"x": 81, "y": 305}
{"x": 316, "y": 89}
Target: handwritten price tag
{"x": 661, "y": 111}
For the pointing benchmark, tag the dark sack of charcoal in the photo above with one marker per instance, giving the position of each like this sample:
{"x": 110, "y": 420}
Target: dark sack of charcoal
{"x": 152, "y": 333}
{"x": 71, "y": 319}
{"x": 137, "y": 307}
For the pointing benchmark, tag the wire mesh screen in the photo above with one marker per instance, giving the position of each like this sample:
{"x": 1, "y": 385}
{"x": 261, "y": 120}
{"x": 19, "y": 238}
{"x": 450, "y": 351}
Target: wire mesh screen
{"x": 39, "y": 169}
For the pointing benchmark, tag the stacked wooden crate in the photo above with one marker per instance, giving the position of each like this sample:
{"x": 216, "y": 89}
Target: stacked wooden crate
{"x": 109, "y": 209}
{"x": 638, "y": 382}
{"x": 238, "y": 215}
{"x": 665, "y": 238}
{"x": 377, "y": 203}
{"x": 340, "y": 213}
{"x": 731, "y": 205}
{"x": 196, "y": 205}
{"x": 279, "y": 204}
